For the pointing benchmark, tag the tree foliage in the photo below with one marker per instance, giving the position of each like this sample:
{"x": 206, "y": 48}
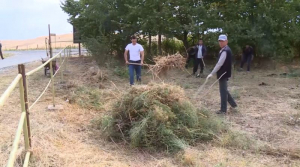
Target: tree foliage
{"x": 271, "y": 27}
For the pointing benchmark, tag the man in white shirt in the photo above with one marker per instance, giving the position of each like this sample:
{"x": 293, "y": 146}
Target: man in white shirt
{"x": 223, "y": 71}
{"x": 136, "y": 59}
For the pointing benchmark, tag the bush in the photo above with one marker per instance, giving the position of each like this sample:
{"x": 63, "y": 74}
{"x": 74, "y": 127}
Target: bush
{"x": 121, "y": 72}
{"x": 172, "y": 46}
{"x": 154, "y": 52}
{"x": 160, "y": 117}
{"x": 98, "y": 49}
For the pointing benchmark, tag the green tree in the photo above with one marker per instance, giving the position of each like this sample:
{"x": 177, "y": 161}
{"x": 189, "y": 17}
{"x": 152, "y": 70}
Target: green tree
{"x": 153, "y": 18}
{"x": 272, "y": 27}
{"x": 268, "y": 25}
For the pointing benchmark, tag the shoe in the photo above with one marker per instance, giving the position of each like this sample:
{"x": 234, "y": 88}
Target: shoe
{"x": 233, "y": 109}
{"x": 234, "y": 106}
{"x": 198, "y": 76}
{"x": 186, "y": 66}
{"x": 220, "y": 112}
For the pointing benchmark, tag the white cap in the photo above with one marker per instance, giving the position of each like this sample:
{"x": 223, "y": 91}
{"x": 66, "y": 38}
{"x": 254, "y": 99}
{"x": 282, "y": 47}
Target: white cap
{"x": 222, "y": 37}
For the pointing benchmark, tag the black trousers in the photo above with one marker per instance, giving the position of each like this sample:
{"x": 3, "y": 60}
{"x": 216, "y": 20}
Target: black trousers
{"x": 246, "y": 59}
{"x": 1, "y": 54}
{"x": 225, "y": 95}
{"x": 197, "y": 63}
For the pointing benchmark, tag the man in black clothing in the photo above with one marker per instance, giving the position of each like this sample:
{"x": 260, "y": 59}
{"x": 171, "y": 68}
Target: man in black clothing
{"x": 1, "y": 52}
{"x": 223, "y": 71}
{"x": 200, "y": 53}
{"x": 247, "y": 57}
{"x": 191, "y": 56}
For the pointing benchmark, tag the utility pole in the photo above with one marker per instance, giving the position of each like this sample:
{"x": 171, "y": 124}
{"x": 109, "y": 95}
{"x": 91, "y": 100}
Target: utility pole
{"x": 50, "y": 48}
{"x": 79, "y": 49}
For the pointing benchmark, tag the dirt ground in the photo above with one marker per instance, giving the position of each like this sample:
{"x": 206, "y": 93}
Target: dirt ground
{"x": 268, "y": 112}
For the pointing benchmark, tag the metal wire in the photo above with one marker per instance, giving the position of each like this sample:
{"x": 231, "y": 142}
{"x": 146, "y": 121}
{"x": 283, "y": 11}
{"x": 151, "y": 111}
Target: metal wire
{"x": 44, "y": 91}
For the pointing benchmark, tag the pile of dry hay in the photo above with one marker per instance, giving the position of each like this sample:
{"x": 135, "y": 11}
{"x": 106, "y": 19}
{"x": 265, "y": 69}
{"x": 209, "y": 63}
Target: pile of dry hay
{"x": 164, "y": 63}
{"x": 159, "y": 117}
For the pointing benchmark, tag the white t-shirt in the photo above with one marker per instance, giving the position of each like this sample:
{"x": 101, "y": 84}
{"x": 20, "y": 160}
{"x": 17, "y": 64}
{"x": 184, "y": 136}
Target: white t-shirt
{"x": 134, "y": 51}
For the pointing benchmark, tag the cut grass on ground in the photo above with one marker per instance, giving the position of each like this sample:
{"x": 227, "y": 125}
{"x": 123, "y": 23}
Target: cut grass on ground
{"x": 57, "y": 136}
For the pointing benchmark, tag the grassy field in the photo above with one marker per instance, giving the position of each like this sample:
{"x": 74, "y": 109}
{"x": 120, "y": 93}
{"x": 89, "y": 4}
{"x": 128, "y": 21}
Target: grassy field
{"x": 263, "y": 132}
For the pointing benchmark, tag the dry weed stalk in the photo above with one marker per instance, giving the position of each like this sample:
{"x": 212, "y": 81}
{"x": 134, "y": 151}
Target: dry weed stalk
{"x": 164, "y": 63}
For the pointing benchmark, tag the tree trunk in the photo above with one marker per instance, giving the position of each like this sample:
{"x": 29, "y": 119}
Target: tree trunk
{"x": 185, "y": 40}
{"x": 252, "y": 13}
{"x": 159, "y": 44}
{"x": 150, "y": 43}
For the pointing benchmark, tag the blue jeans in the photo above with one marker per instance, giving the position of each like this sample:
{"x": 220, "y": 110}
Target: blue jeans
{"x": 225, "y": 95}
{"x": 137, "y": 69}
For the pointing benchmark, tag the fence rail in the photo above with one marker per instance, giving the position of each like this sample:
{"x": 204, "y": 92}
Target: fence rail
{"x": 24, "y": 124}
{"x": 8, "y": 91}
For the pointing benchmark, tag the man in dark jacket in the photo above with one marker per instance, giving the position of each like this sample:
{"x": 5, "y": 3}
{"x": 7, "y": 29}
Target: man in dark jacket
{"x": 247, "y": 57}
{"x": 191, "y": 56}
{"x": 223, "y": 71}
{"x": 200, "y": 53}
{"x": 1, "y": 52}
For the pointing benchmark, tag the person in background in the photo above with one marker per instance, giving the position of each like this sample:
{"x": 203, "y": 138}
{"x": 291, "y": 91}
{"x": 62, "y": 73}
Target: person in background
{"x": 1, "y": 51}
{"x": 191, "y": 56}
{"x": 136, "y": 59}
{"x": 200, "y": 51}
{"x": 247, "y": 57}
{"x": 223, "y": 71}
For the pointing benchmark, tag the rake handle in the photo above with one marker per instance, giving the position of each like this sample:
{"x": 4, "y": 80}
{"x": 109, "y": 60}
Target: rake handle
{"x": 137, "y": 64}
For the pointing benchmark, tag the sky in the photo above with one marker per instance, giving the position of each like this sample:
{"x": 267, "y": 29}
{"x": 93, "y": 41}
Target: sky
{"x": 28, "y": 19}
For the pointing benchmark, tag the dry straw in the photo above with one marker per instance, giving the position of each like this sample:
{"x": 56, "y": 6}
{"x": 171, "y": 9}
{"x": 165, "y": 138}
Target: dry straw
{"x": 165, "y": 63}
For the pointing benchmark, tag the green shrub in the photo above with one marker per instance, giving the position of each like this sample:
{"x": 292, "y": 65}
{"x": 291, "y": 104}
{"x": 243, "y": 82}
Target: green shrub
{"x": 121, "y": 72}
{"x": 172, "y": 46}
{"x": 154, "y": 52}
{"x": 98, "y": 49}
